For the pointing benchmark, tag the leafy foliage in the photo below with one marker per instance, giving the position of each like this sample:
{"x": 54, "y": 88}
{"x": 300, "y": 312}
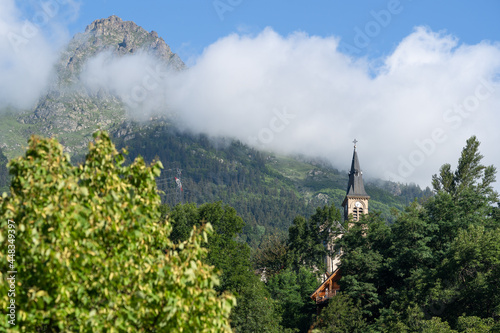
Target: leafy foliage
{"x": 307, "y": 238}
{"x": 92, "y": 254}
{"x": 291, "y": 290}
{"x": 271, "y": 256}
{"x": 256, "y": 311}
{"x": 341, "y": 315}
{"x": 438, "y": 261}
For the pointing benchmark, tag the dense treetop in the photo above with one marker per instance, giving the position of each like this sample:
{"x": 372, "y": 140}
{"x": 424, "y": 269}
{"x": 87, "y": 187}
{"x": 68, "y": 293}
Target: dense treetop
{"x": 92, "y": 253}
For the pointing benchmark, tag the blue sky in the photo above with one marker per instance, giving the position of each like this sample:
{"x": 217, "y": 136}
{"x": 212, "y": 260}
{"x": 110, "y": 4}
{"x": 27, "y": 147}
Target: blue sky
{"x": 411, "y": 80}
{"x": 189, "y": 26}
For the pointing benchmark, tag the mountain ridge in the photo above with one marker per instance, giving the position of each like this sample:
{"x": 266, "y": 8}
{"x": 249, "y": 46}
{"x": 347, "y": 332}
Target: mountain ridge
{"x": 71, "y": 110}
{"x": 266, "y": 189}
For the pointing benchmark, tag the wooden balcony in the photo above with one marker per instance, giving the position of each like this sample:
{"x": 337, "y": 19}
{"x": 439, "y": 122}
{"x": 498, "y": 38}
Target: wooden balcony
{"x": 324, "y": 296}
{"x": 328, "y": 288}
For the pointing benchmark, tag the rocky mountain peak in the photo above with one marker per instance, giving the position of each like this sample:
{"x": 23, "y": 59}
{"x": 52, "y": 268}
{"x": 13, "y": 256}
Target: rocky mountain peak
{"x": 114, "y": 35}
{"x": 71, "y": 110}
{"x": 111, "y": 23}
{"x": 126, "y": 37}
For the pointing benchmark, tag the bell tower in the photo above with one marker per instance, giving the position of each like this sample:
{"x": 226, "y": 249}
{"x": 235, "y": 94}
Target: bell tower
{"x": 356, "y": 199}
{"x": 355, "y": 204}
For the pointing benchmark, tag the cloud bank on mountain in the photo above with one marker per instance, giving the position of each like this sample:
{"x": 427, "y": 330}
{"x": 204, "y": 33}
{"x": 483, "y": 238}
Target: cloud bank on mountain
{"x": 300, "y": 94}
{"x": 30, "y": 43}
{"x": 411, "y": 110}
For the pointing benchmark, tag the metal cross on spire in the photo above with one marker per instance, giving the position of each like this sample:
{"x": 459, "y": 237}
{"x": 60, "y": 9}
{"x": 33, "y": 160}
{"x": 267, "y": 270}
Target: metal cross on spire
{"x": 355, "y": 141}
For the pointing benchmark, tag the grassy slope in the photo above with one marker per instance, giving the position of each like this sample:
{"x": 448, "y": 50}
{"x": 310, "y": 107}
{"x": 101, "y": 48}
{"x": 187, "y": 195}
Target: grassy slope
{"x": 13, "y": 134}
{"x": 328, "y": 184}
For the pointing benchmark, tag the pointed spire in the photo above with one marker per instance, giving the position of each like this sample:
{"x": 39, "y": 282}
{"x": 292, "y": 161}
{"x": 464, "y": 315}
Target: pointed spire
{"x": 355, "y": 185}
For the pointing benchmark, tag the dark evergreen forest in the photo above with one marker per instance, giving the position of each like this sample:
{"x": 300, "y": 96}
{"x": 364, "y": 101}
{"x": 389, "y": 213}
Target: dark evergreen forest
{"x": 434, "y": 268}
{"x": 263, "y": 188}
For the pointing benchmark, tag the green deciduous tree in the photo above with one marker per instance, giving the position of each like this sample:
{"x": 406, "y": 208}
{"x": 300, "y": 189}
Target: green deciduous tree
{"x": 256, "y": 311}
{"x": 292, "y": 291}
{"x": 471, "y": 269}
{"x": 307, "y": 238}
{"x": 471, "y": 324}
{"x": 230, "y": 257}
{"x": 271, "y": 256}
{"x": 435, "y": 325}
{"x": 341, "y": 315}
{"x": 182, "y": 218}
{"x": 91, "y": 255}
{"x": 364, "y": 273}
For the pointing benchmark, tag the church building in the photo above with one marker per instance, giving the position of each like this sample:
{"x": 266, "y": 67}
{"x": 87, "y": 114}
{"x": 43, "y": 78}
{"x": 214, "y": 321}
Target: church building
{"x": 355, "y": 204}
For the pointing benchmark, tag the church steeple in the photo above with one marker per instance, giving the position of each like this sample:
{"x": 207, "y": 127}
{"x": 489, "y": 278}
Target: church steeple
{"x": 355, "y": 185}
{"x": 356, "y": 200}
{"x": 355, "y": 204}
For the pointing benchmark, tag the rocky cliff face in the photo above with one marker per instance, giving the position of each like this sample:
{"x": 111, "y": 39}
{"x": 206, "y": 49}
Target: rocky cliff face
{"x": 70, "y": 110}
{"x": 116, "y": 36}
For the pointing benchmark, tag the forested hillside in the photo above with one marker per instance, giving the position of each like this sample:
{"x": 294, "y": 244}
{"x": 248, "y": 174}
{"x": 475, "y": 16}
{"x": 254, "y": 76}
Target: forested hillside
{"x": 268, "y": 191}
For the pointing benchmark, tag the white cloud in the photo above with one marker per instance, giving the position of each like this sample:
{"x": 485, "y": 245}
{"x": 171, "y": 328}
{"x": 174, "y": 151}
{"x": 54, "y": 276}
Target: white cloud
{"x": 291, "y": 94}
{"x": 240, "y": 85}
{"x": 29, "y": 48}
{"x": 138, "y": 79}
